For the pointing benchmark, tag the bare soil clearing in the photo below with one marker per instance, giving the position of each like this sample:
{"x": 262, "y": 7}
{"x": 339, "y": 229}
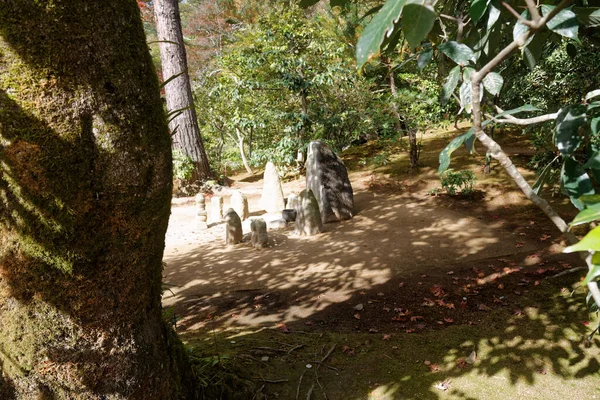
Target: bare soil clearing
{"x": 440, "y": 275}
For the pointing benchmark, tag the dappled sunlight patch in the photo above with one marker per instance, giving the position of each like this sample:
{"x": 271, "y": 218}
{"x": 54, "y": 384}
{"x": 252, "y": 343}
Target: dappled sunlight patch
{"x": 384, "y": 392}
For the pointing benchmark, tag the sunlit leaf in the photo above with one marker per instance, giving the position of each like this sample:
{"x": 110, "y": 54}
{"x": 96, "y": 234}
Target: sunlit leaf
{"x": 592, "y": 274}
{"x": 564, "y": 23}
{"x": 566, "y": 133}
{"x": 466, "y": 96}
{"x": 458, "y": 52}
{"x": 590, "y": 242}
{"x": 445, "y": 154}
{"x": 381, "y": 25}
{"x": 592, "y": 213}
{"x": 450, "y": 84}
{"x": 520, "y": 29}
{"x": 417, "y": 21}
{"x": 493, "y": 83}
{"x": 592, "y": 94}
{"x": 493, "y": 16}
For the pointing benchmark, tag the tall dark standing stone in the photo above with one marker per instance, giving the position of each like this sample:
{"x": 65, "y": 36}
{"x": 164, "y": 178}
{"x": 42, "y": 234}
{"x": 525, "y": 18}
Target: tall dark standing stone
{"x": 327, "y": 177}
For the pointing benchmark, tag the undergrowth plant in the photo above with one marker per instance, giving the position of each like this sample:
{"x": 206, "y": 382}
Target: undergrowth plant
{"x": 458, "y": 181}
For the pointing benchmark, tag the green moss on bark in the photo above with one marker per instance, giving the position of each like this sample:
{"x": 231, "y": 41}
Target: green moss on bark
{"x": 85, "y": 191}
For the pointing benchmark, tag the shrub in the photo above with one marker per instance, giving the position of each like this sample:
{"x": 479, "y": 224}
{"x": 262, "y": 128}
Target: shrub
{"x": 453, "y": 181}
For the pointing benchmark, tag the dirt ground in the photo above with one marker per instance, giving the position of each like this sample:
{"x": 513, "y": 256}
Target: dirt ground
{"x": 416, "y": 297}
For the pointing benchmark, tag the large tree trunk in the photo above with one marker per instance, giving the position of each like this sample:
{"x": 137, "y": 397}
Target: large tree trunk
{"x": 85, "y": 189}
{"x": 178, "y": 91}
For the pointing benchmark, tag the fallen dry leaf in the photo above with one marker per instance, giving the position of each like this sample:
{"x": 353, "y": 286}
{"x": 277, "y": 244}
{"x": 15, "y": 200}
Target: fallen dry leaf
{"x": 283, "y": 328}
{"x": 387, "y": 336}
{"x": 483, "y": 307}
{"x": 434, "y": 368}
{"x": 443, "y": 386}
{"x": 448, "y": 320}
{"x": 415, "y": 318}
{"x": 373, "y": 330}
{"x": 472, "y": 358}
{"x": 450, "y": 273}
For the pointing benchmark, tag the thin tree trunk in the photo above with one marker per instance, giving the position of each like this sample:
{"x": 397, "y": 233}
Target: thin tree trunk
{"x": 178, "y": 92}
{"x": 85, "y": 183}
{"x": 240, "y": 142}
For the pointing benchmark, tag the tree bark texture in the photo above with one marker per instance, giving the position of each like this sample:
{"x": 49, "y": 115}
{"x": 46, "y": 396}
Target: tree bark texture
{"x": 85, "y": 189}
{"x": 178, "y": 92}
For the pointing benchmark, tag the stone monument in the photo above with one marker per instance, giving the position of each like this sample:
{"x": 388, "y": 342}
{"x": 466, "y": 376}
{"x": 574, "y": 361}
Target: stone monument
{"x": 216, "y": 208}
{"x": 272, "y": 195}
{"x": 239, "y": 203}
{"x": 201, "y": 211}
{"x": 308, "y": 217}
{"x": 327, "y": 177}
{"x": 259, "y": 237}
{"x": 233, "y": 228}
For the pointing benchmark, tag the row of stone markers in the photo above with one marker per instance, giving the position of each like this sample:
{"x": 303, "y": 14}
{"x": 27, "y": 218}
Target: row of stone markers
{"x": 328, "y": 197}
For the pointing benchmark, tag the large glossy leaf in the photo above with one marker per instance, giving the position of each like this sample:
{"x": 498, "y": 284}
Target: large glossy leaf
{"x": 595, "y": 125}
{"x": 467, "y": 72}
{"x": 543, "y": 178}
{"x": 575, "y": 182}
{"x": 424, "y": 58}
{"x": 590, "y": 214}
{"x": 520, "y": 29}
{"x": 381, "y": 25}
{"x": 493, "y": 83}
{"x": 493, "y": 16}
{"x": 417, "y": 21}
{"x": 466, "y": 96}
{"x": 477, "y": 9}
{"x": 566, "y": 132}
{"x": 592, "y": 274}
{"x": 564, "y": 23}
{"x": 593, "y": 162}
{"x": 532, "y": 52}
{"x": 458, "y": 52}
{"x": 593, "y": 105}
{"x": 588, "y": 16}
{"x": 523, "y": 108}
{"x": 449, "y": 149}
{"x": 592, "y": 94}
{"x": 450, "y": 84}
{"x": 590, "y": 242}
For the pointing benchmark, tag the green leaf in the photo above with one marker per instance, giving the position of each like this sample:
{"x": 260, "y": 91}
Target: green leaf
{"x": 575, "y": 182}
{"x": 493, "y": 83}
{"x": 590, "y": 242}
{"x": 593, "y": 105}
{"x": 532, "y": 52}
{"x": 450, "y": 84}
{"x": 458, "y": 52}
{"x": 381, "y": 25}
{"x": 308, "y": 3}
{"x": 520, "y": 29}
{"x": 449, "y": 149}
{"x": 466, "y": 96}
{"x": 162, "y": 85}
{"x": 592, "y": 273}
{"x": 523, "y": 108}
{"x": 590, "y": 199}
{"x": 566, "y": 133}
{"x": 588, "y": 16}
{"x": 478, "y": 8}
{"x": 370, "y": 12}
{"x": 588, "y": 215}
{"x": 543, "y": 178}
{"x": 595, "y": 125}
{"x": 592, "y": 94}
{"x": 467, "y": 72}
{"x": 493, "y": 16}
{"x": 593, "y": 162}
{"x": 417, "y": 20}
{"x": 424, "y": 58}
{"x": 564, "y": 23}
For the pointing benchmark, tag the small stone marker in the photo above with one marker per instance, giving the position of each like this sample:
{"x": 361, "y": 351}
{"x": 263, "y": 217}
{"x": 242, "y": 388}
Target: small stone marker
{"x": 272, "y": 196}
{"x": 239, "y": 203}
{"x": 292, "y": 202}
{"x": 201, "y": 211}
{"x": 259, "y": 237}
{"x": 233, "y": 228}
{"x": 308, "y": 218}
{"x": 216, "y": 209}
{"x": 327, "y": 176}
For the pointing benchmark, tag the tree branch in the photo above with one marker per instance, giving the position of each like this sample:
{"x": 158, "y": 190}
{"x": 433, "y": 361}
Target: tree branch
{"x": 509, "y": 119}
{"x": 517, "y": 15}
{"x": 494, "y": 148}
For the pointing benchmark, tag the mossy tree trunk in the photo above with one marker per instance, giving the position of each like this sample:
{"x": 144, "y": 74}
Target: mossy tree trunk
{"x": 178, "y": 91}
{"x": 85, "y": 188}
